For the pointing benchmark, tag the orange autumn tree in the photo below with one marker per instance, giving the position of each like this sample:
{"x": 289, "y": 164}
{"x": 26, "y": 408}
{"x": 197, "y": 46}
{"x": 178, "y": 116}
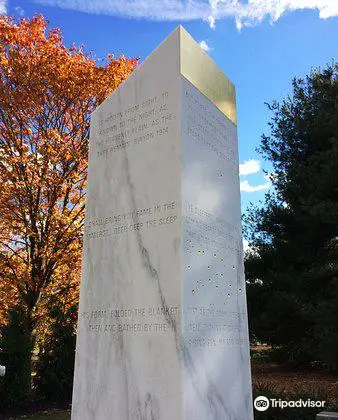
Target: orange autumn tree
{"x": 47, "y": 92}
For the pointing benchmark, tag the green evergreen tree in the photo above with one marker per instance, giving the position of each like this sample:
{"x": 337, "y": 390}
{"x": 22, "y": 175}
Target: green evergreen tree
{"x": 55, "y": 366}
{"x": 292, "y": 267}
{"x": 15, "y": 354}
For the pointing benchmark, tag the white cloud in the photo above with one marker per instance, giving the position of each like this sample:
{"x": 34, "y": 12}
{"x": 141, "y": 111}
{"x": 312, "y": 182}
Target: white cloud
{"x": 19, "y": 11}
{"x": 245, "y": 245}
{"x": 251, "y": 166}
{"x": 151, "y": 9}
{"x": 212, "y": 22}
{"x": 247, "y": 187}
{"x": 249, "y": 250}
{"x": 246, "y": 13}
{"x": 3, "y": 7}
{"x": 205, "y": 46}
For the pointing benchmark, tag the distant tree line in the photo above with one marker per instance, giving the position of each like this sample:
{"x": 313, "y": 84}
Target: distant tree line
{"x": 291, "y": 266}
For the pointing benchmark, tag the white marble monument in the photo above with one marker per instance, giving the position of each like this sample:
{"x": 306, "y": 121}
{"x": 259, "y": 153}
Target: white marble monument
{"x": 162, "y": 331}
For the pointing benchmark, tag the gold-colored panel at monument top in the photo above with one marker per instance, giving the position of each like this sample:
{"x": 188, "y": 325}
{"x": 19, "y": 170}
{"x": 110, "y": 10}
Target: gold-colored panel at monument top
{"x": 203, "y": 73}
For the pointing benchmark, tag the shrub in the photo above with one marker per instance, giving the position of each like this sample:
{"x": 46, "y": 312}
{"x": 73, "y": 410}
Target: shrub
{"x": 55, "y": 366}
{"x": 16, "y": 347}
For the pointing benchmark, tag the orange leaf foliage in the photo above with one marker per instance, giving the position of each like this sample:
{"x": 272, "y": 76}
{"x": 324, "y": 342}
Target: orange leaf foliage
{"x": 47, "y": 92}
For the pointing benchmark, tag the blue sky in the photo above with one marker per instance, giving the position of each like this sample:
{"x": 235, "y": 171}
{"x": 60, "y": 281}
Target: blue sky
{"x": 259, "y": 44}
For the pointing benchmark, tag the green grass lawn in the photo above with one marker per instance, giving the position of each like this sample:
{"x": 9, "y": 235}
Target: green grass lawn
{"x": 44, "y": 415}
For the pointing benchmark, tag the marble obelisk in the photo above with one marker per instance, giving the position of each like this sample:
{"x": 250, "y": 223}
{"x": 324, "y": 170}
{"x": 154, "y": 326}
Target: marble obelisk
{"x": 162, "y": 331}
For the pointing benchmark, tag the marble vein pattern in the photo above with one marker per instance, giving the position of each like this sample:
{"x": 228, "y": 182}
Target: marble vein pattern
{"x": 162, "y": 330}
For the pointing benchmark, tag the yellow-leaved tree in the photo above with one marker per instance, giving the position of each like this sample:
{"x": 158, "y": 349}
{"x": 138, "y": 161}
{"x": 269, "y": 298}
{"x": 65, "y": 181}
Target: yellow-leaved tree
{"x": 47, "y": 93}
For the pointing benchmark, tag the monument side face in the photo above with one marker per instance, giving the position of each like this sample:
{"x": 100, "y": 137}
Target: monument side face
{"x": 162, "y": 331}
{"x": 128, "y": 362}
{"x": 217, "y": 378}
